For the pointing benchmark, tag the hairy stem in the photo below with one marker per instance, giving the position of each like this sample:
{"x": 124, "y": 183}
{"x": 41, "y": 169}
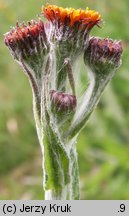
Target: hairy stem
{"x": 68, "y": 190}
{"x": 90, "y": 100}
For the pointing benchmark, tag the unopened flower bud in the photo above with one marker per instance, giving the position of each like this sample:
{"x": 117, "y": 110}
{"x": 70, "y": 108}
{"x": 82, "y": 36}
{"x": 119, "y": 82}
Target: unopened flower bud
{"x": 28, "y": 43}
{"x": 103, "y": 55}
{"x": 62, "y": 102}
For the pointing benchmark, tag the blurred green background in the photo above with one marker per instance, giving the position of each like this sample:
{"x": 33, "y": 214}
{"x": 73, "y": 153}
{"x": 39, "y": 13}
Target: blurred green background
{"x": 103, "y": 146}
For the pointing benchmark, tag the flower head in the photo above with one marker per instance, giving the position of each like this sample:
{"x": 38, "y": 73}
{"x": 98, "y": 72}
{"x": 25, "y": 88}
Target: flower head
{"x": 28, "y": 43}
{"x": 103, "y": 54}
{"x": 71, "y": 16}
{"x": 70, "y": 27}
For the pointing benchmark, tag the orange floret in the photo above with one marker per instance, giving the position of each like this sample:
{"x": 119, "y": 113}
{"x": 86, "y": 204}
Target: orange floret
{"x": 84, "y": 17}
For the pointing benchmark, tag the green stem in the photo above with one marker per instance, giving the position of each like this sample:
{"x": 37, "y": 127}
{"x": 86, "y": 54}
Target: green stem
{"x": 68, "y": 66}
{"x": 60, "y": 164}
{"x": 61, "y": 74}
{"x": 90, "y": 100}
{"x": 74, "y": 181}
{"x": 69, "y": 191}
{"x": 60, "y": 167}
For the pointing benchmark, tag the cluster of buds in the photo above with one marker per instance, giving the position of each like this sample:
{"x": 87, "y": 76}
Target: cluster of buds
{"x": 68, "y": 30}
{"x": 47, "y": 52}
